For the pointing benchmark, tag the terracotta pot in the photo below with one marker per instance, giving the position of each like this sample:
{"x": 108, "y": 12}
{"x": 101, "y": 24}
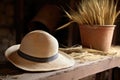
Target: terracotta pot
{"x": 97, "y": 37}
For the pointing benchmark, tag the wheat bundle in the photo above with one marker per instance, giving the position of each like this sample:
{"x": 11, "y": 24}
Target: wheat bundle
{"x": 95, "y": 12}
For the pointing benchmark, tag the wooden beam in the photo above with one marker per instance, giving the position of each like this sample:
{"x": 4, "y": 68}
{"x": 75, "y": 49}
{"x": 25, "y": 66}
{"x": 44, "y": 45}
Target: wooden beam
{"x": 78, "y": 71}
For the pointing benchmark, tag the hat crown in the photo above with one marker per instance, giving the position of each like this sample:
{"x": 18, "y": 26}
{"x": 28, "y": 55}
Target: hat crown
{"x": 39, "y": 44}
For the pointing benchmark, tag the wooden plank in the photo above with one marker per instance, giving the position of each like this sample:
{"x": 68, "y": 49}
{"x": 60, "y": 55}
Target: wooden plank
{"x": 116, "y": 73}
{"x": 105, "y": 75}
{"x": 78, "y": 71}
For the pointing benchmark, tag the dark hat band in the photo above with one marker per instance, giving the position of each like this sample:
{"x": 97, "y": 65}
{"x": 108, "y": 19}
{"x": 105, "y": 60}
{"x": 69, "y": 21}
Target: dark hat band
{"x": 36, "y": 59}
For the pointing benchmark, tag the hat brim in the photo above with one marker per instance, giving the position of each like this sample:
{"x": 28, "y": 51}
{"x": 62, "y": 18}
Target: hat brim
{"x": 63, "y": 61}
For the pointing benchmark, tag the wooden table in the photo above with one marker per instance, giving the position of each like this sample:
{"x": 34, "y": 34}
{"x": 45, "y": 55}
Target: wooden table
{"x": 78, "y": 71}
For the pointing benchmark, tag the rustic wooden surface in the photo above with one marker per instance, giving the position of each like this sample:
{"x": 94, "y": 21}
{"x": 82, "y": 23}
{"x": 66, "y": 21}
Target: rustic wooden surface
{"x": 78, "y": 71}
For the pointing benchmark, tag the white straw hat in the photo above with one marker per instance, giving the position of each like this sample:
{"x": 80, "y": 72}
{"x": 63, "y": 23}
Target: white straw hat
{"x": 38, "y": 51}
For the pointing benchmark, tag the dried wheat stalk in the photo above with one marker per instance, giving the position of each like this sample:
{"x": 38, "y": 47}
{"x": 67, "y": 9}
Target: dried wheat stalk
{"x": 95, "y": 12}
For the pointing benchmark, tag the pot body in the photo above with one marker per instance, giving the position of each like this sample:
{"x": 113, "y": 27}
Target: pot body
{"x": 97, "y": 37}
